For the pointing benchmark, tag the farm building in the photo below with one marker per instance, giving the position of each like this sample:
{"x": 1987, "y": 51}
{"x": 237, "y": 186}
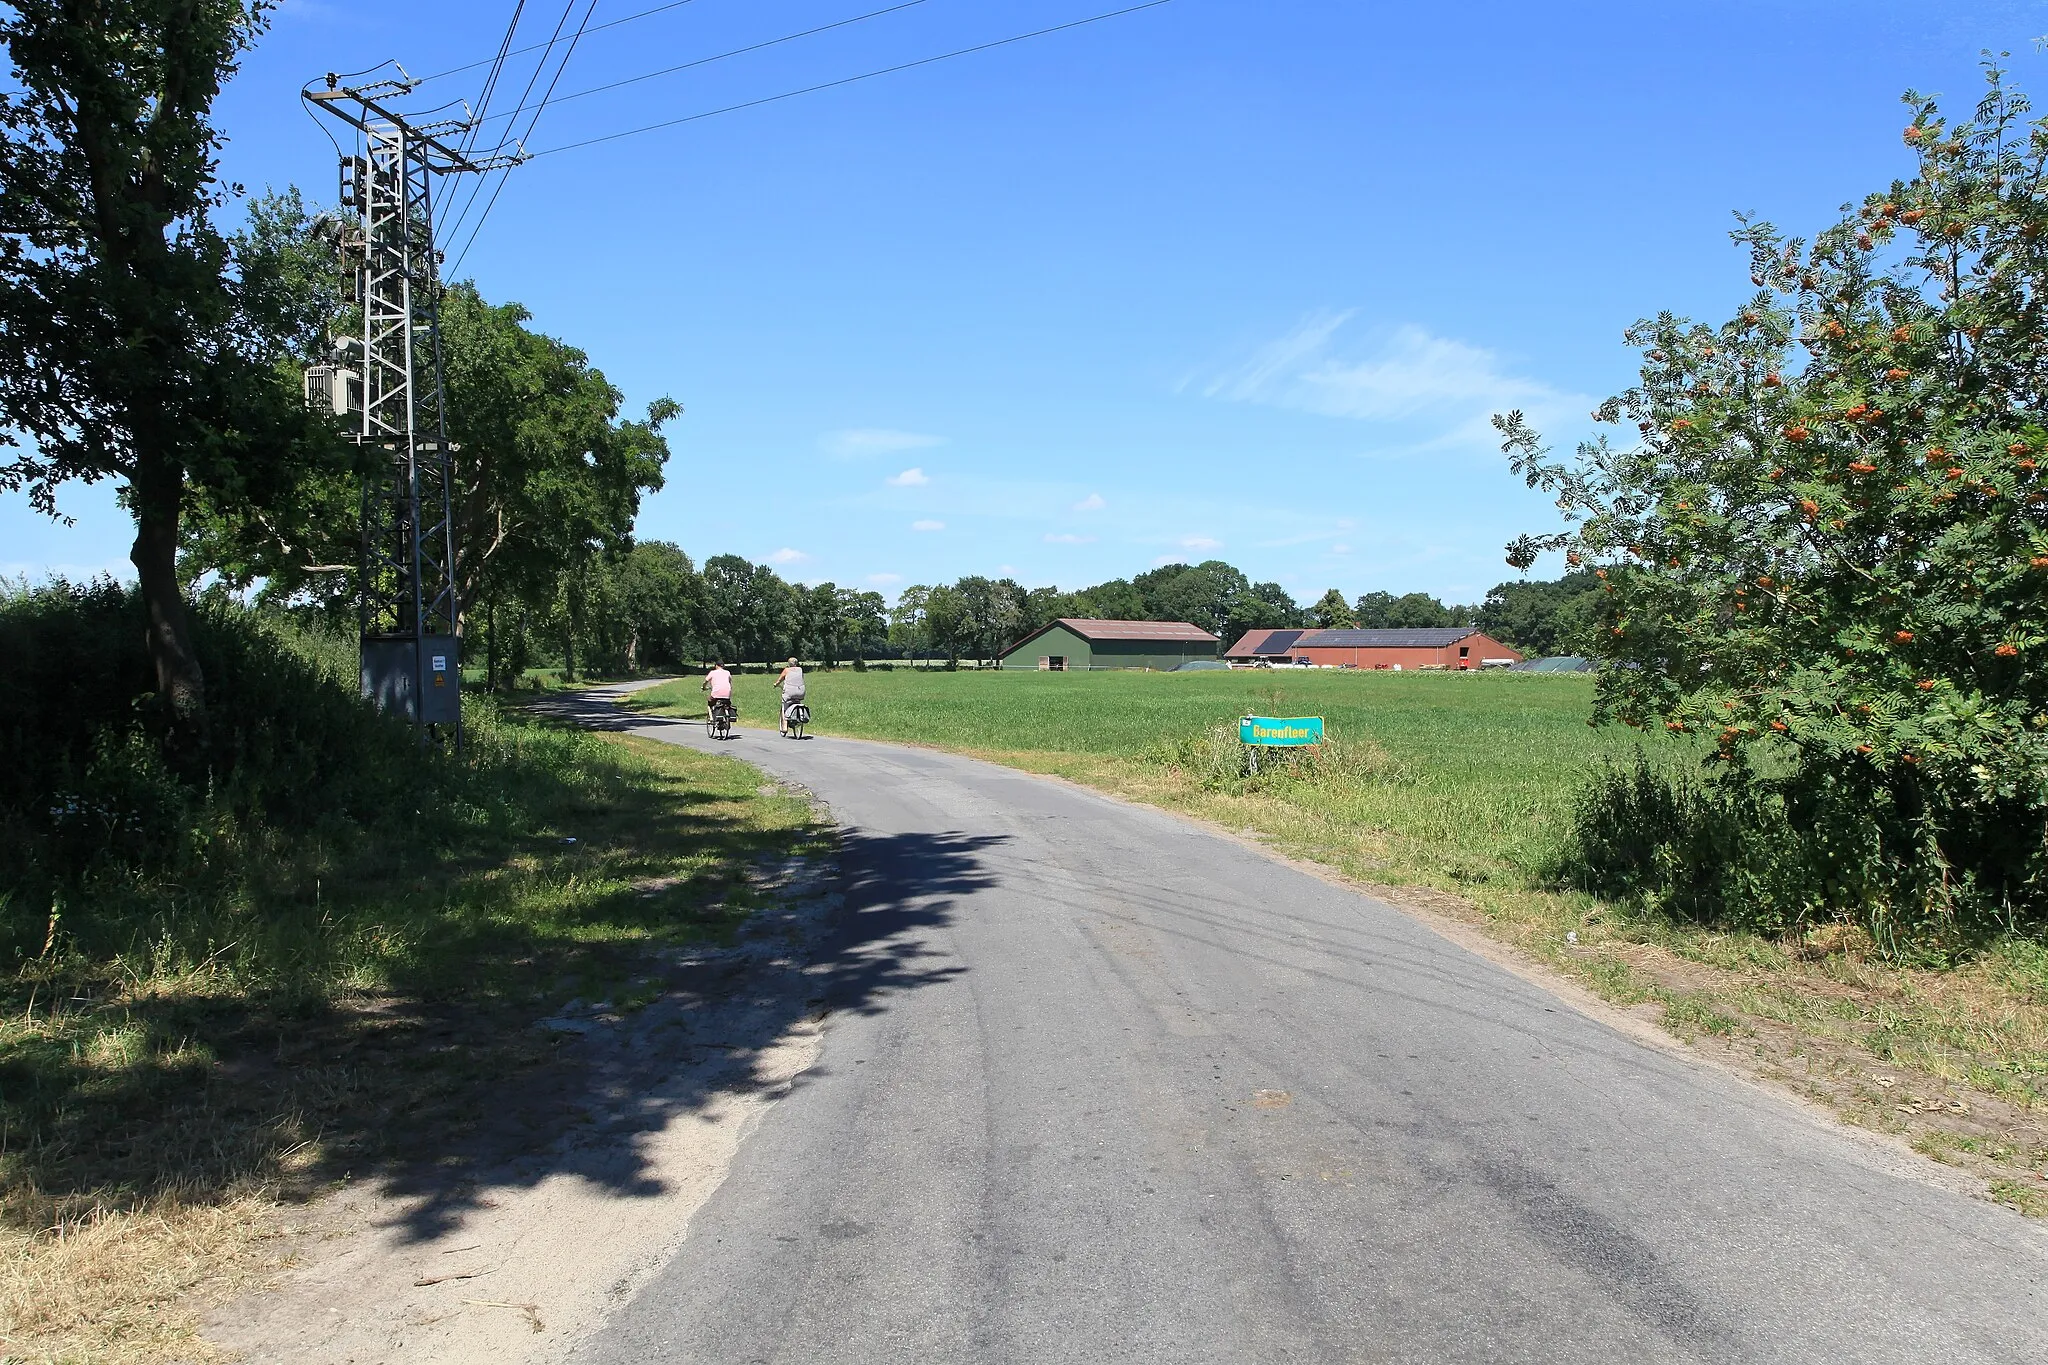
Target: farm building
{"x": 1071, "y": 643}
{"x": 1452, "y": 647}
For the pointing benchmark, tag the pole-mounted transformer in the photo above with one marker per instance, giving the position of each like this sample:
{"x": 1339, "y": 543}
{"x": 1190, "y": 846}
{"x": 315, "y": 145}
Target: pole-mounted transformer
{"x": 388, "y": 376}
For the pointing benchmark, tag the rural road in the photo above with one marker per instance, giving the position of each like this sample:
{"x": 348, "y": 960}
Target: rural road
{"x": 1137, "y": 1093}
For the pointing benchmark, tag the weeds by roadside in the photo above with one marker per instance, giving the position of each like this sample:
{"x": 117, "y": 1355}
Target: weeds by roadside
{"x": 360, "y": 1000}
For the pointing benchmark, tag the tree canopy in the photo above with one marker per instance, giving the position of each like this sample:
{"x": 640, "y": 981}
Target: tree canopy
{"x": 128, "y": 348}
{"x": 1830, "y": 566}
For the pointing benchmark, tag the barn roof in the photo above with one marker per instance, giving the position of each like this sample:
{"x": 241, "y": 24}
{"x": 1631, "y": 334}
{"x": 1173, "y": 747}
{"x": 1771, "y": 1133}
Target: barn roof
{"x": 1147, "y": 632}
{"x": 1089, "y": 629}
{"x": 1259, "y": 643}
{"x": 1414, "y": 638}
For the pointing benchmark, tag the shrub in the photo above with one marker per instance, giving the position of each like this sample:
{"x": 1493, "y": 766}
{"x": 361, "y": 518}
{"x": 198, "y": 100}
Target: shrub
{"x": 99, "y": 819}
{"x": 1737, "y": 850}
{"x": 1830, "y": 567}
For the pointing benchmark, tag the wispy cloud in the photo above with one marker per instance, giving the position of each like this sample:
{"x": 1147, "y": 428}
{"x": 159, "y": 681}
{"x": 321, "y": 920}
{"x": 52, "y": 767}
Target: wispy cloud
{"x": 1445, "y": 390}
{"x": 1067, "y": 538}
{"x": 1200, "y": 543}
{"x": 1092, "y": 503}
{"x": 883, "y": 580}
{"x": 927, "y": 525}
{"x": 909, "y": 478}
{"x": 785, "y": 555}
{"x": 855, "y": 442}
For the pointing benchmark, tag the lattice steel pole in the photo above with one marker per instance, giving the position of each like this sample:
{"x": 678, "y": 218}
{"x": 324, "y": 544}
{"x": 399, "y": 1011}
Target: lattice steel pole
{"x": 410, "y": 611}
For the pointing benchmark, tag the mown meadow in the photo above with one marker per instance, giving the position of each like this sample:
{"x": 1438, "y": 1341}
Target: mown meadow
{"x": 1471, "y": 775}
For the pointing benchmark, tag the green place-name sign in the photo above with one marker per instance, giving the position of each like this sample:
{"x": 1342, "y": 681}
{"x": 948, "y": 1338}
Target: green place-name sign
{"x": 1270, "y": 731}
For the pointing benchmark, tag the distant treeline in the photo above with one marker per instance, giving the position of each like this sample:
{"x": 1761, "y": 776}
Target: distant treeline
{"x": 650, "y": 606}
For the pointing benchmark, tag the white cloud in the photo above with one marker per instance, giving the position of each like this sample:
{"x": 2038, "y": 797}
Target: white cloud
{"x": 785, "y": 555}
{"x": 858, "y": 441}
{"x": 1200, "y": 543}
{"x": 1067, "y": 538}
{"x": 1409, "y": 375}
{"x": 1092, "y": 503}
{"x": 909, "y": 478}
{"x": 1340, "y": 549}
{"x": 927, "y": 525}
{"x": 883, "y": 580}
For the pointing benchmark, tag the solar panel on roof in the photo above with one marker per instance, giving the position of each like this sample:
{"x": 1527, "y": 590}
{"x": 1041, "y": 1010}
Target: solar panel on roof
{"x": 1419, "y": 638}
{"x": 1279, "y": 642}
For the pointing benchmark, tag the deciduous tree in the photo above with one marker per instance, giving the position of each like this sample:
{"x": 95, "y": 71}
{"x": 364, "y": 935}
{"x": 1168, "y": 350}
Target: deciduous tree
{"x": 1833, "y": 567}
{"x": 123, "y": 353}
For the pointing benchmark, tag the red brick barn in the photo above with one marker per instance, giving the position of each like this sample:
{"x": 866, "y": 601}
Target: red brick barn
{"x": 1450, "y": 648}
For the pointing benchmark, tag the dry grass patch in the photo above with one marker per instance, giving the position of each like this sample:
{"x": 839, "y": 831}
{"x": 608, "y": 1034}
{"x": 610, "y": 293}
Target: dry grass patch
{"x": 127, "y": 1286}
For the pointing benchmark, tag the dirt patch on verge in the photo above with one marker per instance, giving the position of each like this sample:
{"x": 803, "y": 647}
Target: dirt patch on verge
{"x": 513, "y": 1258}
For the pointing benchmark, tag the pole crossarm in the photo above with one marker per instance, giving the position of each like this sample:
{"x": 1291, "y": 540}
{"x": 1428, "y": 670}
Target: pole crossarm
{"x": 335, "y": 100}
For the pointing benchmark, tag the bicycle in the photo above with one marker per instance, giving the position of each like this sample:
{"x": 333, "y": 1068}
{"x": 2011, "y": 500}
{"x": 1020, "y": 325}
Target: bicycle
{"x": 719, "y": 714}
{"x": 795, "y": 716}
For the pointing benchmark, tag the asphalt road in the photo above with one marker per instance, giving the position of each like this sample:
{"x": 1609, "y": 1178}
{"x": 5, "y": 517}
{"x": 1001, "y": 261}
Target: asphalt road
{"x": 1102, "y": 1086}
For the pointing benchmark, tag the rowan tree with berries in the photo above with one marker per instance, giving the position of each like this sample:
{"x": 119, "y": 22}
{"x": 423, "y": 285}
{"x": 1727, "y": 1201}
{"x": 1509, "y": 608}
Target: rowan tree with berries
{"x": 1824, "y": 553}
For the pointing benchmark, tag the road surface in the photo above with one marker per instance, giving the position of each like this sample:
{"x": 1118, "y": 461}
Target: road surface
{"x": 1103, "y": 1086}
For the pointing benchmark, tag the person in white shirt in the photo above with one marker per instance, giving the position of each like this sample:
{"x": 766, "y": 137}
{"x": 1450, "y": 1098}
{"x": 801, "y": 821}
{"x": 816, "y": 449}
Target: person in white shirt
{"x": 791, "y": 681}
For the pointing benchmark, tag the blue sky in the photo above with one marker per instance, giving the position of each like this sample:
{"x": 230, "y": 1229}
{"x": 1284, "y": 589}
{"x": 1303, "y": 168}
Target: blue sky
{"x": 1221, "y": 278}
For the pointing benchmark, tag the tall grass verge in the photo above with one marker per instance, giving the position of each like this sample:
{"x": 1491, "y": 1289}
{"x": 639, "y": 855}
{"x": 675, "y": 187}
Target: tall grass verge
{"x": 307, "y": 950}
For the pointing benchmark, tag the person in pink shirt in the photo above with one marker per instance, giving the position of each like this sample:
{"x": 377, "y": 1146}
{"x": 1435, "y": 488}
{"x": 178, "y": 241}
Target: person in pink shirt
{"x": 718, "y": 683}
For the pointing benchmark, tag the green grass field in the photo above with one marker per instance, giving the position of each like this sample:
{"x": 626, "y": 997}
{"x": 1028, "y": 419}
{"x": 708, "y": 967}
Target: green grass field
{"x": 1477, "y": 783}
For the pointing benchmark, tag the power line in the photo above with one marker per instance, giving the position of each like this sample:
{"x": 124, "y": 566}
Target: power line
{"x": 736, "y": 52}
{"x": 491, "y": 81}
{"x": 522, "y": 51}
{"x": 532, "y": 123}
{"x": 848, "y": 80}
{"x": 568, "y": 8}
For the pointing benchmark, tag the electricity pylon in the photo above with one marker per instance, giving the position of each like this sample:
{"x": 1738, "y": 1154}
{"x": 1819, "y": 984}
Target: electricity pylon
{"x": 410, "y": 615}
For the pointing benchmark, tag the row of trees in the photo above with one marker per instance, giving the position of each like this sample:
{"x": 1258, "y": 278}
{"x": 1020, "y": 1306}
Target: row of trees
{"x": 649, "y": 606}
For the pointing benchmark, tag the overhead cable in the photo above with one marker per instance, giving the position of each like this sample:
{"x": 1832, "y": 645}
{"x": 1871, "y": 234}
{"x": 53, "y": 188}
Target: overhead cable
{"x": 539, "y": 65}
{"x": 846, "y": 80}
{"x": 483, "y": 104}
{"x": 534, "y": 122}
{"x": 521, "y": 51}
{"x": 736, "y": 52}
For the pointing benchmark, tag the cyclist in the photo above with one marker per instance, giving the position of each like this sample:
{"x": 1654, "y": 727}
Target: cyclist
{"x": 791, "y": 681}
{"x": 718, "y": 686}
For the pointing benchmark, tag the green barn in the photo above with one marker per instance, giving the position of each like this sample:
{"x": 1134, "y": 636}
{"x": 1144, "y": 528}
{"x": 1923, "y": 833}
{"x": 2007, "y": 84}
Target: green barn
{"x": 1074, "y": 644}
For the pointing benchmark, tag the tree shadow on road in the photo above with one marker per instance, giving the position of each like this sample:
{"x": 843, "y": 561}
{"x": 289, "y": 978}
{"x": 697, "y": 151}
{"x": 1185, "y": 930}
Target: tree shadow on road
{"x": 385, "y": 1031}
{"x": 589, "y": 1111}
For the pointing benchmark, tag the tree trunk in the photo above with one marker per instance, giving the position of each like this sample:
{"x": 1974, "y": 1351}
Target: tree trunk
{"x": 491, "y": 646}
{"x": 158, "y": 495}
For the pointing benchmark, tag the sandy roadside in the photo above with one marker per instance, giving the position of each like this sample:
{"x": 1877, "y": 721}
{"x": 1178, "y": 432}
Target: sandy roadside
{"x": 513, "y": 1264}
